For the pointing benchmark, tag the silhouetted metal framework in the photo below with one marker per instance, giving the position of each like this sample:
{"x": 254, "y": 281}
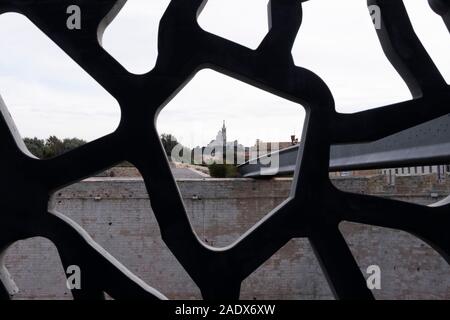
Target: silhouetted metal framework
{"x": 314, "y": 208}
{"x": 423, "y": 145}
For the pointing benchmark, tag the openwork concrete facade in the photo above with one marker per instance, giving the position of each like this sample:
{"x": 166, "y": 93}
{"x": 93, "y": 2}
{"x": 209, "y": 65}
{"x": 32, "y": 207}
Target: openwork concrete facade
{"x": 314, "y": 208}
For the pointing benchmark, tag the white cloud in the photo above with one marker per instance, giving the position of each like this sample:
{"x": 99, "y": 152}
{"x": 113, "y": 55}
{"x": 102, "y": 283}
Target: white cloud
{"x": 45, "y": 91}
{"x": 195, "y": 115}
{"x": 336, "y": 40}
{"x": 244, "y": 22}
{"x": 132, "y": 37}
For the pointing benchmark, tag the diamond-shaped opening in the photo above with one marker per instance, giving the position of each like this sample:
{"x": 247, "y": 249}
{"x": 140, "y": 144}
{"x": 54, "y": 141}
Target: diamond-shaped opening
{"x": 409, "y": 268}
{"x": 432, "y": 32}
{"x": 244, "y": 22}
{"x": 293, "y": 273}
{"x": 215, "y": 112}
{"x": 132, "y": 37}
{"x": 116, "y": 213}
{"x": 46, "y": 92}
{"x": 338, "y": 41}
{"x": 36, "y": 270}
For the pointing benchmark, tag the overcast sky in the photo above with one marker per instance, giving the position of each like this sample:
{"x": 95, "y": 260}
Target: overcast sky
{"x": 47, "y": 93}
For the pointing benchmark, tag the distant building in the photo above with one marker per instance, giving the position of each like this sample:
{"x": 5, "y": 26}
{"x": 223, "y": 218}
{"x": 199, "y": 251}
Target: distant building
{"x": 415, "y": 171}
{"x": 440, "y": 170}
{"x": 220, "y": 150}
{"x": 221, "y": 137}
{"x": 262, "y": 148}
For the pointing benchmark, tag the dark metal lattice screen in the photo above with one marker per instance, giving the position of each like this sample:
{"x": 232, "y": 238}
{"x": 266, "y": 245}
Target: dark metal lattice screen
{"x": 314, "y": 208}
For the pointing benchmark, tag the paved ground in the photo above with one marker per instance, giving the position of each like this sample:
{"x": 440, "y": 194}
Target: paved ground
{"x": 186, "y": 173}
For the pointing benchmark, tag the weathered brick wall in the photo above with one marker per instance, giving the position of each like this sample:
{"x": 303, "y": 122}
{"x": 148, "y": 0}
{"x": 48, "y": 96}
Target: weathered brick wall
{"x": 117, "y": 214}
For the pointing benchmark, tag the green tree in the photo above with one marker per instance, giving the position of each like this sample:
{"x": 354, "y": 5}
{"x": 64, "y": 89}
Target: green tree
{"x": 35, "y": 146}
{"x": 169, "y": 142}
{"x": 223, "y": 170}
{"x": 73, "y": 143}
{"x": 51, "y": 147}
